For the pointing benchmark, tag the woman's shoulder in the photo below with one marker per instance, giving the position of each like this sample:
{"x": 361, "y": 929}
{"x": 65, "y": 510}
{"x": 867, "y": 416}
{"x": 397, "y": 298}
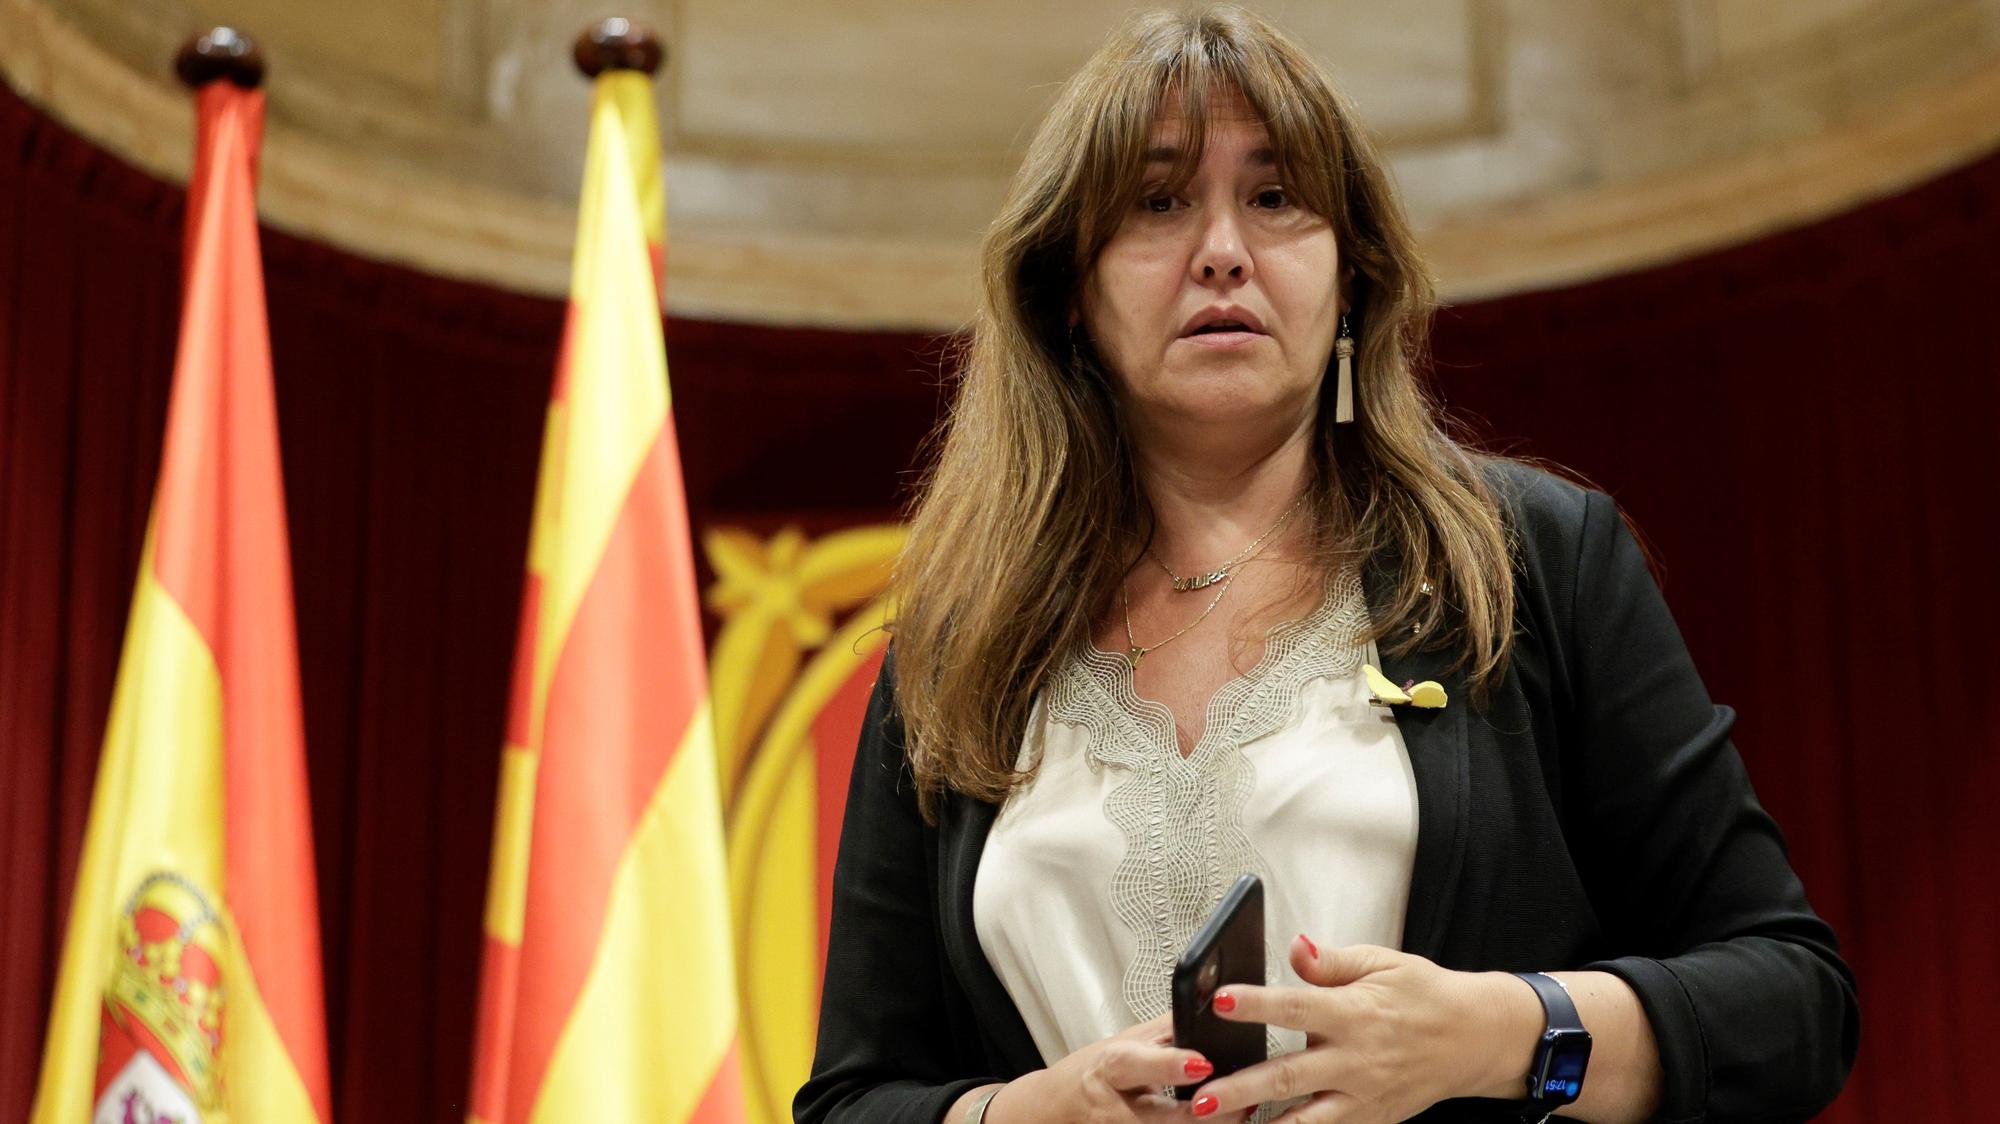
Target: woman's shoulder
{"x": 1547, "y": 515}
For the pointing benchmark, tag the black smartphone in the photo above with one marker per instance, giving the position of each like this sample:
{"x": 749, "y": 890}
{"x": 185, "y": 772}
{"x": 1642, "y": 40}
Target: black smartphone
{"x": 1228, "y": 949}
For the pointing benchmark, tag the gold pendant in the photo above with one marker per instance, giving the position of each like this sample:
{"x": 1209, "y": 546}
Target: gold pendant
{"x": 1133, "y": 656}
{"x": 1199, "y": 581}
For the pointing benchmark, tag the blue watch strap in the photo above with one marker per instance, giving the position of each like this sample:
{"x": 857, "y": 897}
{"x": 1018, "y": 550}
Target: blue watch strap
{"x": 1563, "y": 1053}
{"x": 1559, "y": 1008}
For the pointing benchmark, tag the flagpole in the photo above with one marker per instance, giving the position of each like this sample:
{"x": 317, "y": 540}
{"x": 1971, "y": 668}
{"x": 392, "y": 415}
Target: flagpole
{"x": 607, "y": 987}
{"x": 220, "y": 52}
{"x": 618, "y": 44}
{"x": 274, "y": 1064}
{"x": 190, "y": 984}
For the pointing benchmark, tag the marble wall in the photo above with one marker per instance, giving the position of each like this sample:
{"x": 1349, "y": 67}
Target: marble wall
{"x": 835, "y": 162}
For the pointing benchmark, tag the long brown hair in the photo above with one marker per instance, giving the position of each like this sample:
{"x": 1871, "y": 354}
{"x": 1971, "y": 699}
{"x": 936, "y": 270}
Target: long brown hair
{"x": 1032, "y": 513}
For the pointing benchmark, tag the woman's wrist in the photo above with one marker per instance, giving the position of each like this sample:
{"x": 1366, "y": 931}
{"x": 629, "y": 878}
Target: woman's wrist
{"x": 1006, "y": 1105}
{"x": 961, "y": 1109}
{"x": 1504, "y": 1024}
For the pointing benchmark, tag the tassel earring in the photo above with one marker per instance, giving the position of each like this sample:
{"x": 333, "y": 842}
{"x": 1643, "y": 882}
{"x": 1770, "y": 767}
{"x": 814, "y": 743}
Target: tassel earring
{"x": 1343, "y": 401}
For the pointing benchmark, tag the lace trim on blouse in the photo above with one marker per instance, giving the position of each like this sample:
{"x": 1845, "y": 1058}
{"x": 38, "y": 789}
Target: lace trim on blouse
{"x": 1182, "y": 817}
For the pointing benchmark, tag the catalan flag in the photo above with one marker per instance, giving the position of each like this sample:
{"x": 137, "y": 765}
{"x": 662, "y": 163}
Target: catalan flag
{"x": 607, "y": 991}
{"x": 189, "y": 988}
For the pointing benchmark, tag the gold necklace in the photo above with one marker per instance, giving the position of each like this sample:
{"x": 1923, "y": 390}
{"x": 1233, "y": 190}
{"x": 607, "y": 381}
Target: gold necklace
{"x": 1135, "y": 651}
{"x": 1221, "y": 573}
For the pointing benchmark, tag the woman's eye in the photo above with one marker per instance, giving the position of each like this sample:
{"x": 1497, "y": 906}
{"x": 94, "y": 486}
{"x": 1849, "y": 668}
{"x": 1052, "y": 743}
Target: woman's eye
{"x": 1158, "y": 204}
{"x": 1271, "y": 197}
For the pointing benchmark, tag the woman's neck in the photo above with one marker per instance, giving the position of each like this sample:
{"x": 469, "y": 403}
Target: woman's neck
{"x": 1211, "y": 500}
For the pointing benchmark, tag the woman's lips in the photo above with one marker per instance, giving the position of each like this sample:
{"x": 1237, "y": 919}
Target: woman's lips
{"x": 1222, "y": 341}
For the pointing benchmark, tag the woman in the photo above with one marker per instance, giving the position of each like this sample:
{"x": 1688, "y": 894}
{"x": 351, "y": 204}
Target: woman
{"x": 1145, "y": 585}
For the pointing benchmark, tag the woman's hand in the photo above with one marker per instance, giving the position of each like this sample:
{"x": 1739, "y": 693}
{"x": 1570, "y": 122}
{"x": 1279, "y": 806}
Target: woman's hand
{"x": 1387, "y": 1036}
{"x": 1117, "y": 1079}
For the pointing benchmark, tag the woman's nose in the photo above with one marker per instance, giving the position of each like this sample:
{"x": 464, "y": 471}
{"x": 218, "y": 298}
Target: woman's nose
{"x": 1221, "y": 255}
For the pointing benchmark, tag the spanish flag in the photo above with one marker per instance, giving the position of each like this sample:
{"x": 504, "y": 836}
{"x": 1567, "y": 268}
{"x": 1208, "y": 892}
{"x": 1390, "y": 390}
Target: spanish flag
{"x": 607, "y": 991}
{"x": 190, "y": 981}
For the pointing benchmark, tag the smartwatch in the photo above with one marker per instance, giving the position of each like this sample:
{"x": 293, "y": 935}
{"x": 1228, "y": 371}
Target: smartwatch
{"x": 1556, "y": 1077}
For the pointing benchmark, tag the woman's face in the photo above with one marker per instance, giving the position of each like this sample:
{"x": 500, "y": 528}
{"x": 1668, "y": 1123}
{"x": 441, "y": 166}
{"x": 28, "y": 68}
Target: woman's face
{"x": 1219, "y": 304}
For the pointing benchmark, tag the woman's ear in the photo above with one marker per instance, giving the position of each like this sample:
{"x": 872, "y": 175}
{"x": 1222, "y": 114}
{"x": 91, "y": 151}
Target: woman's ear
{"x": 1346, "y": 288}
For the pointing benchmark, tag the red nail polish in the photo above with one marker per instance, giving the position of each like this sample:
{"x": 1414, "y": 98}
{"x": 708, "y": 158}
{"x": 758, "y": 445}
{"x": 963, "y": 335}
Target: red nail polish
{"x": 1197, "y": 1069}
{"x": 1225, "y": 1002}
{"x": 1310, "y": 946}
{"x": 1205, "y": 1104}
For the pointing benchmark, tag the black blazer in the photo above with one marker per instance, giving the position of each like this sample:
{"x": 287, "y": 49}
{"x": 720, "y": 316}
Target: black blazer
{"x": 1593, "y": 815}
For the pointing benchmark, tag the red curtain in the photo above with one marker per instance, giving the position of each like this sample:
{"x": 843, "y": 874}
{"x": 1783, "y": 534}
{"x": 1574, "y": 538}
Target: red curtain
{"x": 1803, "y": 428}
{"x": 1799, "y": 425}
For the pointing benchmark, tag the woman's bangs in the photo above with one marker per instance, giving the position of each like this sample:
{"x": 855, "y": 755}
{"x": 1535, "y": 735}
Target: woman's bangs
{"x": 1179, "y": 75}
{"x": 1305, "y": 139}
{"x": 1185, "y": 93}
{"x": 1216, "y": 70}
{"x": 1130, "y": 100}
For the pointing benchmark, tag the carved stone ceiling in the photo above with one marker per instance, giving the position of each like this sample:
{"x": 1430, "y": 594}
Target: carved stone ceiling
{"x": 836, "y": 162}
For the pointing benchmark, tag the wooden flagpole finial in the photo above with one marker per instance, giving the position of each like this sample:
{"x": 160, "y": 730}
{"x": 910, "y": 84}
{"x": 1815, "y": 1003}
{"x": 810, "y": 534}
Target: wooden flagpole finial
{"x": 618, "y": 44}
{"x": 220, "y": 52}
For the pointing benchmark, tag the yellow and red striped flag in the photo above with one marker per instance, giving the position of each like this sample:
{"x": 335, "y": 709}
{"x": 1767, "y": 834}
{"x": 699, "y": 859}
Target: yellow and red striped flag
{"x": 190, "y": 980}
{"x": 607, "y": 991}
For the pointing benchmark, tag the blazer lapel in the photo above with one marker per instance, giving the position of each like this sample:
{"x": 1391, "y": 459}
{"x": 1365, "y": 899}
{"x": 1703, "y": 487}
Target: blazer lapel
{"x": 962, "y": 830}
{"x": 1440, "y": 759}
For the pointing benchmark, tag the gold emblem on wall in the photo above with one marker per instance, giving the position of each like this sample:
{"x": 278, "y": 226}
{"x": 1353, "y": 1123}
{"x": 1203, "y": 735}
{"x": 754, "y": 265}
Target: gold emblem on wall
{"x": 790, "y": 669}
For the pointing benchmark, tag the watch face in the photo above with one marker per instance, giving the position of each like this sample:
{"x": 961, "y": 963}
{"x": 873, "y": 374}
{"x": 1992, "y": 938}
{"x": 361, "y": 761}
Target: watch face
{"x": 1561, "y": 1077}
{"x": 1565, "y": 1077}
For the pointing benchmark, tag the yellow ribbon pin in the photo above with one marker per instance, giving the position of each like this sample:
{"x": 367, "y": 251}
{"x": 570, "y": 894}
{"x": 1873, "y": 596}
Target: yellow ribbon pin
{"x": 1428, "y": 695}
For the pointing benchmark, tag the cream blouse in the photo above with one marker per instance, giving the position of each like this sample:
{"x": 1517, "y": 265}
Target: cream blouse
{"x": 1098, "y": 872}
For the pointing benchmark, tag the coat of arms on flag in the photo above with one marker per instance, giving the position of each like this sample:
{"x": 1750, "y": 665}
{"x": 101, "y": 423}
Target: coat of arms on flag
{"x": 161, "y": 1039}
